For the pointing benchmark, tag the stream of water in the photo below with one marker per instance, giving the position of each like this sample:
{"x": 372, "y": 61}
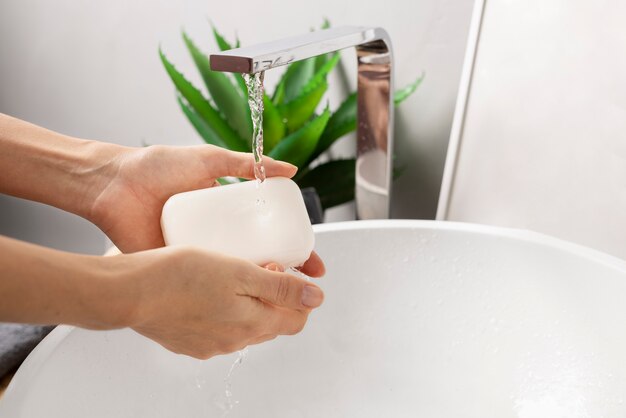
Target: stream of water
{"x": 254, "y": 83}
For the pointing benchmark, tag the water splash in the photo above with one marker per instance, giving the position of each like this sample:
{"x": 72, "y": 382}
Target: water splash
{"x": 254, "y": 83}
{"x": 227, "y": 403}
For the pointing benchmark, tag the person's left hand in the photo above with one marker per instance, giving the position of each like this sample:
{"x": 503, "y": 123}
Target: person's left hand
{"x": 139, "y": 181}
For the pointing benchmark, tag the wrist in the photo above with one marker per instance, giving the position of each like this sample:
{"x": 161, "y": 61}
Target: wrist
{"x": 113, "y": 294}
{"x": 98, "y": 166}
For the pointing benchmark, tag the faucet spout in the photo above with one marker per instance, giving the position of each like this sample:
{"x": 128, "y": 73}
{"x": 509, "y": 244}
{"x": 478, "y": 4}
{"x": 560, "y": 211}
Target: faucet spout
{"x": 374, "y": 99}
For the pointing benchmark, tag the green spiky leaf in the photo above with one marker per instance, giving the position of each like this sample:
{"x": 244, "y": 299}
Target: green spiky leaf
{"x": 402, "y": 95}
{"x": 293, "y": 80}
{"x": 333, "y": 181}
{"x": 221, "y": 42}
{"x": 273, "y": 126}
{"x": 341, "y": 122}
{"x": 321, "y": 73}
{"x": 298, "y": 111}
{"x": 241, "y": 83}
{"x": 200, "y": 125}
{"x": 297, "y": 147}
{"x": 321, "y": 59}
{"x": 279, "y": 92}
{"x": 227, "y": 98}
{"x": 224, "y": 181}
{"x": 203, "y": 108}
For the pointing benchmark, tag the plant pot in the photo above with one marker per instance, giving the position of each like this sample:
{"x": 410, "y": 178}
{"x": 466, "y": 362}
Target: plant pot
{"x": 313, "y": 205}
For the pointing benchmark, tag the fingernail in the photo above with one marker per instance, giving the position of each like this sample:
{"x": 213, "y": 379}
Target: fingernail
{"x": 312, "y": 296}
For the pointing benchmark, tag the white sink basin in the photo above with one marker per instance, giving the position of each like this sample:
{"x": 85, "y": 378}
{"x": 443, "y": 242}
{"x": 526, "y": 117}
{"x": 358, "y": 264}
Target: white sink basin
{"x": 421, "y": 319}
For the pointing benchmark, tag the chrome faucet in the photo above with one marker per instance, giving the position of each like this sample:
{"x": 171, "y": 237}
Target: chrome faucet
{"x": 374, "y": 101}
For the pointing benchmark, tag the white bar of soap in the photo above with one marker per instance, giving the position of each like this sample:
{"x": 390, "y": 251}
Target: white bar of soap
{"x": 265, "y": 223}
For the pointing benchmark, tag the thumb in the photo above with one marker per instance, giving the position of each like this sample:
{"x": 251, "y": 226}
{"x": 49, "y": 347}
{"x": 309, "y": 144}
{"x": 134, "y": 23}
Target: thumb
{"x": 241, "y": 164}
{"x": 285, "y": 290}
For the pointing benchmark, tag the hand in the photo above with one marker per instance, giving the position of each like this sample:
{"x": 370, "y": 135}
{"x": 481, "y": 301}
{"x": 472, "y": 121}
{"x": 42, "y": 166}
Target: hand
{"x": 139, "y": 181}
{"x": 202, "y": 304}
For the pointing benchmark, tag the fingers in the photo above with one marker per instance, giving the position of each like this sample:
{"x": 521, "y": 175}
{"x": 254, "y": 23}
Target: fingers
{"x": 274, "y": 168}
{"x": 314, "y": 266}
{"x": 275, "y": 321}
{"x": 281, "y": 321}
{"x": 283, "y": 290}
{"x": 275, "y": 267}
{"x": 240, "y": 164}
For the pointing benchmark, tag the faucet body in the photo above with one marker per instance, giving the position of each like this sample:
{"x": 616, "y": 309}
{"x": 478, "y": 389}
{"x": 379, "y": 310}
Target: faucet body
{"x": 374, "y": 99}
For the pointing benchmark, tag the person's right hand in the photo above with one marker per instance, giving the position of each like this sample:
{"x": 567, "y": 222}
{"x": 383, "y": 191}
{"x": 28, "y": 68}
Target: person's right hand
{"x": 202, "y": 304}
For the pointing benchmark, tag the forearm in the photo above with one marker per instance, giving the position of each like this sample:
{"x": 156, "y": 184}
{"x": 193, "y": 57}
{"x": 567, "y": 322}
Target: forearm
{"x": 41, "y": 165}
{"x": 43, "y": 286}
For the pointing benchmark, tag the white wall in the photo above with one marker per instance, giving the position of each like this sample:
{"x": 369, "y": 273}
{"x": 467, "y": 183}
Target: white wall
{"x": 91, "y": 69}
{"x": 543, "y": 142}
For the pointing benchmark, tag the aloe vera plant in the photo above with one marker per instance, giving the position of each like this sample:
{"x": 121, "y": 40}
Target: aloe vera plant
{"x": 294, "y": 130}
